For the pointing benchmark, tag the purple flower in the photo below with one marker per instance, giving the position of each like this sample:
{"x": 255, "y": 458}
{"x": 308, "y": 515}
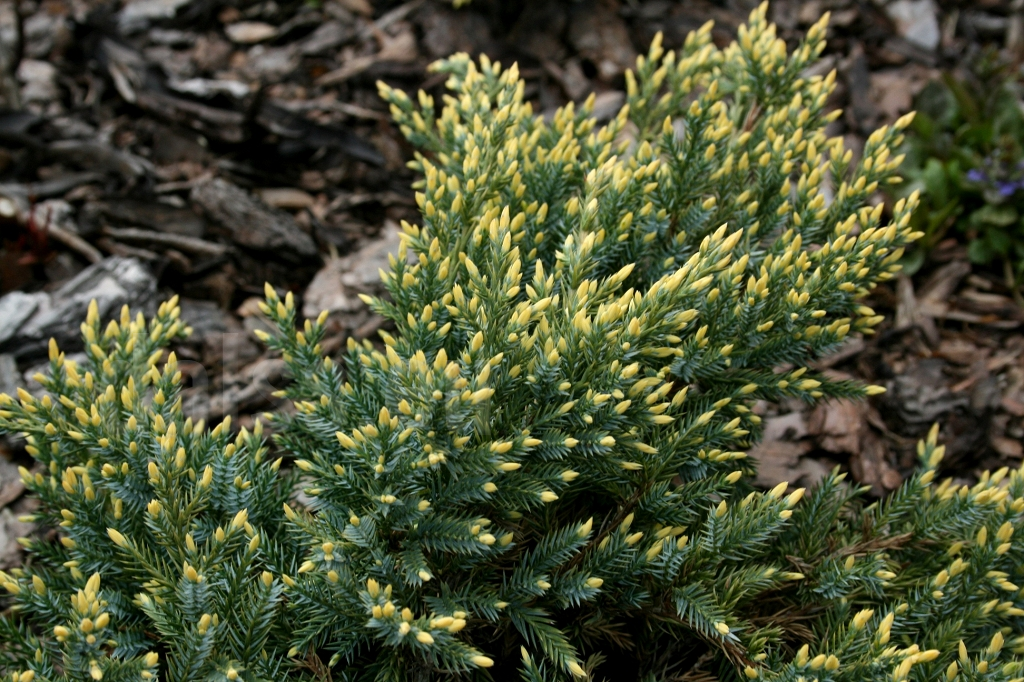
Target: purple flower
{"x": 976, "y": 175}
{"x": 1007, "y": 188}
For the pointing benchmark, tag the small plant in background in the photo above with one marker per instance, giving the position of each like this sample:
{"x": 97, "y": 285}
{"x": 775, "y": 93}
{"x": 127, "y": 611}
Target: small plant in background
{"x": 966, "y": 154}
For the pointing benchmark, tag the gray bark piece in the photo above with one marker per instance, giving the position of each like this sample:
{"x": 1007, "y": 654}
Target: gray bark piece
{"x": 327, "y": 37}
{"x": 17, "y": 307}
{"x": 113, "y": 282}
{"x": 10, "y": 380}
{"x": 270, "y": 64}
{"x": 920, "y": 396}
{"x": 93, "y": 156}
{"x": 207, "y": 87}
{"x": 252, "y": 224}
{"x": 39, "y": 81}
{"x": 9, "y": 92}
{"x": 46, "y": 189}
{"x": 206, "y": 318}
{"x": 917, "y": 21}
{"x": 10, "y": 530}
{"x": 336, "y": 287}
{"x": 137, "y": 16}
{"x": 151, "y": 215}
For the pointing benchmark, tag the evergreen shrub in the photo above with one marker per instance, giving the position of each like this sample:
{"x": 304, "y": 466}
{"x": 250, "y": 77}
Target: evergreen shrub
{"x": 540, "y": 474}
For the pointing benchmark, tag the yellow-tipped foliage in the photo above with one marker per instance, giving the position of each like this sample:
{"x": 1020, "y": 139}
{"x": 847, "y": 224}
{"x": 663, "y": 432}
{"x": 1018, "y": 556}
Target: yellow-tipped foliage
{"x": 583, "y": 320}
{"x": 152, "y": 502}
{"x": 549, "y": 449}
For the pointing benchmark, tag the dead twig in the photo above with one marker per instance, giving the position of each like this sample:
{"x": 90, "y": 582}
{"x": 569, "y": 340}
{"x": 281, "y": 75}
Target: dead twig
{"x": 125, "y": 251}
{"x": 75, "y": 243}
{"x": 180, "y": 242}
{"x": 397, "y": 14}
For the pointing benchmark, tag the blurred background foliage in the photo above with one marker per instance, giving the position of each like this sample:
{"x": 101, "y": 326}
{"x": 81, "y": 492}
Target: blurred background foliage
{"x": 965, "y": 152}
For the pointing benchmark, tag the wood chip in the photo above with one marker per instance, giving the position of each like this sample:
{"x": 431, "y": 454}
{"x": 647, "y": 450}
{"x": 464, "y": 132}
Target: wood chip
{"x": 959, "y": 351}
{"x": 1014, "y": 407}
{"x": 286, "y": 197}
{"x": 11, "y": 485}
{"x": 986, "y": 303}
{"x": 837, "y": 426}
{"x": 1007, "y": 447}
{"x": 944, "y": 281}
{"x": 777, "y": 460}
{"x": 913, "y": 312}
{"x": 250, "y": 32}
{"x": 252, "y": 223}
{"x": 400, "y": 48}
{"x": 358, "y": 6}
{"x": 1002, "y": 360}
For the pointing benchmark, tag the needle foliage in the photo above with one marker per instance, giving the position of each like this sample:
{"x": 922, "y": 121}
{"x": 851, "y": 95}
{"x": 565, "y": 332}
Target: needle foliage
{"x": 540, "y": 474}
{"x": 166, "y": 549}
